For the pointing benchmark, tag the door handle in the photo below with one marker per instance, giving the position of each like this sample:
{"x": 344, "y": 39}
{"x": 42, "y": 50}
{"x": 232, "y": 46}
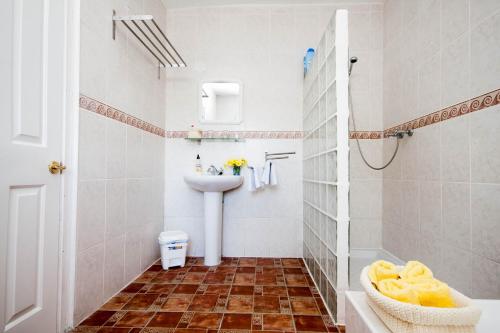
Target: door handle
{"x": 56, "y": 167}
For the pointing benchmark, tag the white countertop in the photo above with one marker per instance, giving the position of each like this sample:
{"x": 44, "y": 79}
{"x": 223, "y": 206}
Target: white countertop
{"x": 489, "y": 322}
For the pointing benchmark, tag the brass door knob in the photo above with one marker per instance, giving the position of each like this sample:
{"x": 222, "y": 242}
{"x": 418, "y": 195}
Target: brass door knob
{"x": 56, "y": 167}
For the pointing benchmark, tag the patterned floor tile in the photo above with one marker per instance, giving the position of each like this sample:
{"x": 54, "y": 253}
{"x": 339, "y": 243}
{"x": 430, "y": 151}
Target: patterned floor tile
{"x": 240, "y": 295}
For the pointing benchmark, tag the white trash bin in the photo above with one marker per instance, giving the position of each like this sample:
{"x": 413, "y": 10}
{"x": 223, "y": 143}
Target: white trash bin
{"x": 173, "y": 245}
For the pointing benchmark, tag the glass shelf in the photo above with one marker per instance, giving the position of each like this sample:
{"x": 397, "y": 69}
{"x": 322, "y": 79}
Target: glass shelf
{"x": 215, "y": 139}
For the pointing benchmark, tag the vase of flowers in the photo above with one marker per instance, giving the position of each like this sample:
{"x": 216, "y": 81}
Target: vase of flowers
{"x": 236, "y": 164}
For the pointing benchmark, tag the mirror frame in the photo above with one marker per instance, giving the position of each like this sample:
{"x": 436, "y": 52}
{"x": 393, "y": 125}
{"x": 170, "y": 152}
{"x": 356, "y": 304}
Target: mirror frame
{"x": 219, "y": 122}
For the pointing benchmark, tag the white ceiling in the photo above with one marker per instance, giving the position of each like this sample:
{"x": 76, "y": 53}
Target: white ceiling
{"x": 204, "y": 3}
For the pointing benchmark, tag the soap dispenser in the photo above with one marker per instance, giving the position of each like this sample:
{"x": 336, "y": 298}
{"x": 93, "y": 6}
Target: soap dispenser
{"x": 198, "y": 166}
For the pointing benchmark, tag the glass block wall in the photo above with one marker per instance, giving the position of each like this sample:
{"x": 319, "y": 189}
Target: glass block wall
{"x": 325, "y": 165}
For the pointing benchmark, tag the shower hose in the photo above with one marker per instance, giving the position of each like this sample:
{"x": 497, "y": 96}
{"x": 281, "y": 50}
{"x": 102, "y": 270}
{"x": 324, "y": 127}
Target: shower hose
{"x": 357, "y": 140}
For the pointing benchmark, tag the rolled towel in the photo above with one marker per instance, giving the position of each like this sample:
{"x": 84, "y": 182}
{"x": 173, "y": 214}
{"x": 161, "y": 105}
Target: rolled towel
{"x": 415, "y": 269}
{"x": 432, "y": 292}
{"x": 399, "y": 290}
{"x": 381, "y": 270}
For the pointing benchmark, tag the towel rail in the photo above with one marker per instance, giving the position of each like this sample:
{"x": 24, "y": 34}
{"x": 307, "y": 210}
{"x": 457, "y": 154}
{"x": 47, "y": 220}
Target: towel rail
{"x": 278, "y": 156}
{"x": 152, "y": 38}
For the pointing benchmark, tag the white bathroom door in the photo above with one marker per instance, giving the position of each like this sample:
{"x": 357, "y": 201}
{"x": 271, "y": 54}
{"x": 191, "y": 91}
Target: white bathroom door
{"x": 32, "y": 99}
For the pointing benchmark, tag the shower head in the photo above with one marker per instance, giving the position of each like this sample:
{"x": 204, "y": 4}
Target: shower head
{"x": 352, "y": 61}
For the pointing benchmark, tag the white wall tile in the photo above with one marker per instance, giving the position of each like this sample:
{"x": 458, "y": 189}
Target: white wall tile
{"x": 92, "y": 156}
{"x": 485, "y": 150}
{"x": 91, "y": 213}
{"x": 89, "y": 281}
{"x": 114, "y": 266}
{"x": 485, "y": 213}
{"x": 456, "y": 214}
{"x": 485, "y": 47}
{"x": 116, "y": 207}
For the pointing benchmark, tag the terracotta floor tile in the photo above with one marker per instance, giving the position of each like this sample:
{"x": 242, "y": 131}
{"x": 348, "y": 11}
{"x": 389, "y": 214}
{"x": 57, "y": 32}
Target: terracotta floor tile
{"x": 291, "y": 262}
{"x": 278, "y": 322}
{"x": 265, "y": 261}
{"x": 266, "y": 304}
{"x": 114, "y": 330}
{"x": 203, "y": 302}
{"x": 165, "y": 319}
{"x": 304, "y": 305}
{"x": 117, "y": 302}
{"x": 292, "y": 270}
{"x": 198, "y": 269}
{"x": 161, "y": 288}
{"x": 249, "y": 262}
{"x": 190, "y": 330}
{"x": 239, "y": 295}
{"x": 238, "y": 321}
{"x": 244, "y": 279}
{"x": 272, "y": 270}
{"x": 98, "y": 318}
{"x": 145, "y": 277}
{"x": 226, "y": 269}
{"x": 242, "y": 290}
{"x": 141, "y": 302}
{"x": 186, "y": 289}
{"x": 299, "y": 291}
{"x": 194, "y": 278}
{"x": 309, "y": 323}
{"x": 177, "y": 303}
{"x": 133, "y": 288}
{"x": 218, "y": 289}
{"x": 250, "y": 270}
{"x": 155, "y": 268}
{"x": 295, "y": 280}
{"x": 215, "y": 278}
{"x": 239, "y": 304}
{"x": 265, "y": 279}
{"x": 206, "y": 320}
{"x": 274, "y": 291}
{"x": 165, "y": 277}
{"x": 135, "y": 319}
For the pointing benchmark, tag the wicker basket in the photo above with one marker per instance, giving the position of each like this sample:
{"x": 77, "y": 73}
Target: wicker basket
{"x": 402, "y": 317}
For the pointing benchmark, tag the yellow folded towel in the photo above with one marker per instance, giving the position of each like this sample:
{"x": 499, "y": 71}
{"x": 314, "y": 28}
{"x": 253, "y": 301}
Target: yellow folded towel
{"x": 399, "y": 290}
{"x": 432, "y": 292}
{"x": 381, "y": 270}
{"x": 415, "y": 269}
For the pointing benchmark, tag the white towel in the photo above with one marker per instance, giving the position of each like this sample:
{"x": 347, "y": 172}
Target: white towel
{"x": 254, "y": 175}
{"x": 269, "y": 175}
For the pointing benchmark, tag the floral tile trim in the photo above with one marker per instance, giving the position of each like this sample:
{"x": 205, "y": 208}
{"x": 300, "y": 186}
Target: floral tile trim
{"x": 239, "y": 134}
{"x": 105, "y": 110}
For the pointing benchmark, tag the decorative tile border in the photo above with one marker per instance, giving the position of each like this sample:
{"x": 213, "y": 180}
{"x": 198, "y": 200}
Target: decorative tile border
{"x": 105, "y": 110}
{"x": 365, "y": 135}
{"x": 472, "y": 105}
{"x": 239, "y": 134}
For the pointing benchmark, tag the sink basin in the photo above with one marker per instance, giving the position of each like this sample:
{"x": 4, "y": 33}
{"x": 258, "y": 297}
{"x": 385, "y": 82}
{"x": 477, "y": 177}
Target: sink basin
{"x": 207, "y": 183}
{"x": 213, "y": 188}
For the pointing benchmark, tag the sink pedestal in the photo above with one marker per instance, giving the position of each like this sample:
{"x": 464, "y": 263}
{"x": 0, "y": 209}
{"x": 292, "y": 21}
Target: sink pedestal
{"x": 213, "y": 188}
{"x": 213, "y": 228}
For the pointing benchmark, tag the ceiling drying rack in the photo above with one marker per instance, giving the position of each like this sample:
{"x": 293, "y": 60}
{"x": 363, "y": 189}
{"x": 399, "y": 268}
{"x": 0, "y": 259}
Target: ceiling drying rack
{"x": 150, "y": 35}
{"x": 278, "y": 156}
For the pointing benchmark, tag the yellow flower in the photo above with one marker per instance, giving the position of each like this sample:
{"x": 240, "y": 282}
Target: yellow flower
{"x": 236, "y": 163}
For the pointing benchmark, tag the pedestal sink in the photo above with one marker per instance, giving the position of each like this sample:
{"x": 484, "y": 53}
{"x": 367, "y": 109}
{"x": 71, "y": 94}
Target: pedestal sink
{"x": 213, "y": 188}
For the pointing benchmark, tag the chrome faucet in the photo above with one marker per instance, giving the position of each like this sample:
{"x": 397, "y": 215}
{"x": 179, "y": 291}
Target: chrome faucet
{"x": 213, "y": 171}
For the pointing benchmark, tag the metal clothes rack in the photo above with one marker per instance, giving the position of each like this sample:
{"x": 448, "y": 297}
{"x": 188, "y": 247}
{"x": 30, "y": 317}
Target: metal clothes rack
{"x": 277, "y": 156}
{"x": 150, "y": 35}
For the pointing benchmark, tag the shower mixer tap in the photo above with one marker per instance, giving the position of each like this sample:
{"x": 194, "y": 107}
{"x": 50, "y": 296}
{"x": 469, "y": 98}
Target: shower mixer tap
{"x": 400, "y": 133}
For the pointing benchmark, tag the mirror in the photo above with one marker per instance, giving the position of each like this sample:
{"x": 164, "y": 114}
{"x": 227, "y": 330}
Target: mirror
{"x": 220, "y": 102}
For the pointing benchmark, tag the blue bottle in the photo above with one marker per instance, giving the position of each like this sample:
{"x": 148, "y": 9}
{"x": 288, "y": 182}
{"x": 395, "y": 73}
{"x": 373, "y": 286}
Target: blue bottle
{"x": 308, "y": 59}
